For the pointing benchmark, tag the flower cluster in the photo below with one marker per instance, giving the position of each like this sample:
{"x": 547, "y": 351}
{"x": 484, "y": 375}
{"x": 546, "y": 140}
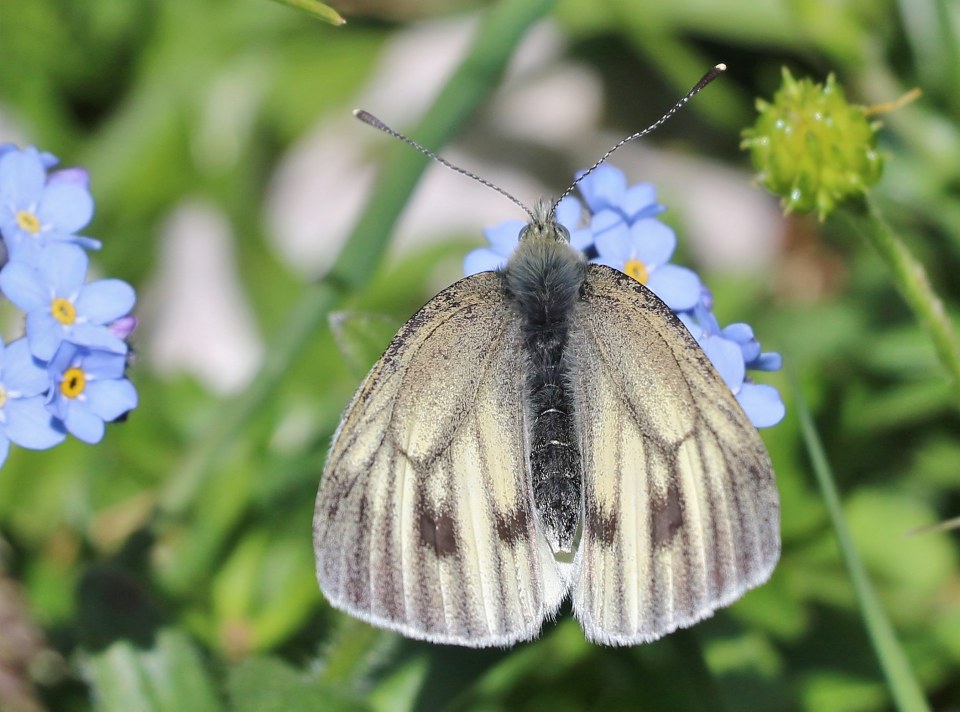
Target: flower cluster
{"x": 623, "y": 232}
{"x": 812, "y": 147}
{"x": 66, "y": 375}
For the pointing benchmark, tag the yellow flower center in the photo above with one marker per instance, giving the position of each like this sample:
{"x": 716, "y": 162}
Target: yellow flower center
{"x": 3, "y": 396}
{"x": 64, "y": 311}
{"x": 73, "y": 383}
{"x": 636, "y": 269}
{"x": 28, "y": 222}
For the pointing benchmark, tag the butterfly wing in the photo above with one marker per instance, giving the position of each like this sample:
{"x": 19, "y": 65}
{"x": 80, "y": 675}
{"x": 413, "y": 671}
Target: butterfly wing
{"x": 681, "y": 514}
{"x": 424, "y": 519}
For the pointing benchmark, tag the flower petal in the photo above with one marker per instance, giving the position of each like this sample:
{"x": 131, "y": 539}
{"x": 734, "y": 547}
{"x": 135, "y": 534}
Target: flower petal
{"x": 22, "y": 177}
{"x": 88, "y": 243}
{"x": 111, "y": 399}
{"x": 83, "y": 424}
{"x": 103, "y": 365}
{"x": 653, "y": 241}
{"x": 44, "y": 334}
{"x": 768, "y": 361}
{"x": 727, "y": 359}
{"x": 739, "y": 332}
{"x": 482, "y": 259}
{"x": 703, "y": 314}
{"x": 124, "y": 326}
{"x": 503, "y": 238}
{"x": 65, "y": 205}
{"x": 30, "y": 425}
{"x": 97, "y": 336}
{"x": 693, "y": 326}
{"x": 678, "y": 287}
{"x": 23, "y": 285}
{"x": 581, "y": 239}
{"x": 63, "y": 267}
{"x": 640, "y": 201}
{"x": 105, "y": 300}
{"x": 568, "y": 213}
{"x": 762, "y": 404}
{"x": 65, "y": 357}
{"x": 743, "y": 335}
{"x": 77, "y": 176}
{"x": 604, "y": 188}
{"x": 23, "y": 247}
{"x": 607, "y": 221}
{"x": 59, "y": 405}
{"x": 613, "y": 245}
{"x": 21, "y": 371}
{"x": 4, "y": 449}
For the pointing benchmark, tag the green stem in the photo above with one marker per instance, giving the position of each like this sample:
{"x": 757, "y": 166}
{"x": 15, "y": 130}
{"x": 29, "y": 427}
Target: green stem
{"x": 468, "y": 88}
{"x": 904, "y": 687}
{"x": 911, "y": 279}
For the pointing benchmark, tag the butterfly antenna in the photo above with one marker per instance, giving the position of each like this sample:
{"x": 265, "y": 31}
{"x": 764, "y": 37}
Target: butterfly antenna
{"x": 371, "y": 120}
{"x": 704, "y": 80}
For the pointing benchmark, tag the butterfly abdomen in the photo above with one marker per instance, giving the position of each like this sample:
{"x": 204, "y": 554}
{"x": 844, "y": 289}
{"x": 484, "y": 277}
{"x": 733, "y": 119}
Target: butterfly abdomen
{"x": 543, "y": 282}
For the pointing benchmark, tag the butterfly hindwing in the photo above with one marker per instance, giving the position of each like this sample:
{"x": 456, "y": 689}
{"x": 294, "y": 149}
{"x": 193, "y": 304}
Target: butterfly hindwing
{"x": 680, "y": 510}
{"x": 424, "y": 520}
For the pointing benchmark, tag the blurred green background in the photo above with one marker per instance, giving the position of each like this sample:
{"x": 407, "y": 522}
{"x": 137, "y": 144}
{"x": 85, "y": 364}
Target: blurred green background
{"x": 170, "y": 567}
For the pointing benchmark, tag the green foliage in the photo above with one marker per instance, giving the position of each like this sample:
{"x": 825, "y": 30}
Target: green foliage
{"x": 170, "y": 567}
{"x": 164, "y": 675}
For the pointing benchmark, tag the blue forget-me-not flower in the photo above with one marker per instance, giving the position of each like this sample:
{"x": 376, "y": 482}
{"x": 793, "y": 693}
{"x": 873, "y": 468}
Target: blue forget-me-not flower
{"x": 37, "y": 209}
{"x": 733, "y": 350}
{"x": 60, "y": 307}
{"x": 88, "y": 389}
{"x": 68, "y": 374}
{"x": 24, "y": 418}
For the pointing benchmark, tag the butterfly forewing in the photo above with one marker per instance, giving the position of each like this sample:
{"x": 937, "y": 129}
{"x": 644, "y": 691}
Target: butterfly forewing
{"x": 424, "y": 520}
{"x": 681, "y": 514}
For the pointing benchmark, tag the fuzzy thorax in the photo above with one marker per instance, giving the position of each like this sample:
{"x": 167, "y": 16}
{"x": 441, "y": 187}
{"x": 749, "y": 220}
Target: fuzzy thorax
{"x": 544, "y": 274}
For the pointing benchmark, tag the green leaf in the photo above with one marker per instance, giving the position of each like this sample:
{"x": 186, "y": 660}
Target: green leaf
{"x": 317, "y": 9}
{"x": 913, "y": 570}
{"x": 266, "y": 684}
{"x": 170, "y": 676}
{"x": 264, "y": 591}
{"x": 830, "y": 691}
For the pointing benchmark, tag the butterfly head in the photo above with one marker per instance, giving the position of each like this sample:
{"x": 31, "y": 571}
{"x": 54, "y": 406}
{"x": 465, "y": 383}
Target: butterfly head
{"x": 543, "y": 226}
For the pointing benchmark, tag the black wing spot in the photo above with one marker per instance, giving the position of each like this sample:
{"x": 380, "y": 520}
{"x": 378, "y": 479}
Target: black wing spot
{"x": 513, "y": 527}
{"x": 603, "y": 527}
{"x": 667, "y": 511}
{"x": 438, "y": 532}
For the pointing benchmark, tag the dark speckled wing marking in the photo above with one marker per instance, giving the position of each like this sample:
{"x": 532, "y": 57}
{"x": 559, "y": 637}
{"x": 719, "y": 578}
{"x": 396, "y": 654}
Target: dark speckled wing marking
{"x": 424, "y": 519}
{"x": 681, "y": 514}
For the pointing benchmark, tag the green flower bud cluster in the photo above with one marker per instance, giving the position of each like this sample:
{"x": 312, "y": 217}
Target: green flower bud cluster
{"x": 813, "y": 148}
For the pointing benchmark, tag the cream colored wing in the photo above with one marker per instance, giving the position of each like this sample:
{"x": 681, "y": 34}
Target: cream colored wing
{"x": 681, "y": 514}
{"x": 424, "y": 520}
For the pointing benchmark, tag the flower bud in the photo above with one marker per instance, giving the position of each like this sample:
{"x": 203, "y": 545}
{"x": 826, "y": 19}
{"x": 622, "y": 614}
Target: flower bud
{"x": 811, "y": 147}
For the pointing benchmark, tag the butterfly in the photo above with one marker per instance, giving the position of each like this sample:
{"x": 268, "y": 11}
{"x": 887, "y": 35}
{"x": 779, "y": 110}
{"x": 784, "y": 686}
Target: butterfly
{"x": 546, "y": 430}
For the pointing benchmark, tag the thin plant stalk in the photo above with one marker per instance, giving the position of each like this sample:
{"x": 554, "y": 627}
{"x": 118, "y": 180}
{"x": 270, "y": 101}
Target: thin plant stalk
{"x": 904, "y": 687}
